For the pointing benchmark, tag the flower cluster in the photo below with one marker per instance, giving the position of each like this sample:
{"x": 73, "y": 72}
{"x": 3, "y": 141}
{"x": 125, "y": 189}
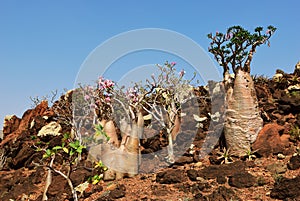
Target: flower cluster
{"x": 132, "y": 95}
{"x": 105, "y": 84}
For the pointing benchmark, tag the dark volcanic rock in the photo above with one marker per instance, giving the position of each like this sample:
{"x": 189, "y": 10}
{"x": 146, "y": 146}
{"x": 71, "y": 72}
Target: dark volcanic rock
{"x": 170, "y": 177}
{"x": 192, "y": 174}
{"x": 242, "y": 180}
{"x": 59, "y": 188}
{"x": 184, "y": 160}
{"x": 15, "y": 183}
{"x": 24, "y": 154}
{"x": 118, "y": 192}
{"x": 286, "y": 188}
{"x": 79, "y": 176}
{"x": 294, "y": 163}
{"x": 215, "y": 171}
{"x": 223, "y": 194}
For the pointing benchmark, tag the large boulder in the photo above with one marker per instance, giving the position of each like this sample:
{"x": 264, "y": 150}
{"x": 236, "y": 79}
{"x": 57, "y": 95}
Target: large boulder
{"x": 269, "y": 140}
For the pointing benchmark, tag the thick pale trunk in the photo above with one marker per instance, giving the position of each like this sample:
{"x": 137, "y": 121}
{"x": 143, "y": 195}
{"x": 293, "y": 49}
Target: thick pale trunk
{"x": 125, "y": 159}
{"x": 243, "y": 120}
{"x": 110, "y": 130}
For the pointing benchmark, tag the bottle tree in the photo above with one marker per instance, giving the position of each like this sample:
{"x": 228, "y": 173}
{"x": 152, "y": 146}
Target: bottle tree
{"x": 234, "y": 51}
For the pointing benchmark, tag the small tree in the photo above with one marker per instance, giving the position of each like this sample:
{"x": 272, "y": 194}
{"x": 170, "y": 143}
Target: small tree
{"x": 165, "y": 104}
{"x": 234, "y": 51}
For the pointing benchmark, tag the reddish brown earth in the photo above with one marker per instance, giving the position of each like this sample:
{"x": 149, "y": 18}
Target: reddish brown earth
{"x": 273, "y": 175}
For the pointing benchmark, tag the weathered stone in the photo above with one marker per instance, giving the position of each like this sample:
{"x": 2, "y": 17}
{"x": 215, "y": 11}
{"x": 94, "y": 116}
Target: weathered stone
{"x": 184, "y": 160}
{"x": 268, "y": 141}
{"x": 59, "y": 188}
{"x": 25, "y": 122}
{"x": 170, "y": 177}
{"x": 242, "y": 180}
{"x": 277, "y": 168}
{"x": 24, "y": 154}
{"x": 297, "y": 69}
{"x": 214, "y": 171}
{"x": 286, "y": 188}
{"x": 223, "y": 194}
{"x": 294, "y": 163}
{"x": 192, "y": 174}
{"x": 221, "y": 179}
{"x": 118, "y": 192}
{"x": 80, "y": 176}
{"x": 52, "y": 128}
{"x": 11, "y": 124}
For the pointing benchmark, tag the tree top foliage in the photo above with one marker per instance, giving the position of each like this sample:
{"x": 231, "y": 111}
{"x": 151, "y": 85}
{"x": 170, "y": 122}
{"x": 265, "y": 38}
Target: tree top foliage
{"x": 236, "y": 46}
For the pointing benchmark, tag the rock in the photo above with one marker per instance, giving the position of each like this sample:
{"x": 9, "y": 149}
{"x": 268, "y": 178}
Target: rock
{"x": 277, "y": 168}
{"x": 200, "y": 197}
{"x": 295, "y": 87}
{"x": 294, "y": 162}
{"x": 199, "y": 187}
{"x": 118, "y": 192}
{"x": 184, "y": 160}
{"x": 52, "y": 128}
{"x": 25, "y": 122}
{"x": 79, "y": 176}
{"x": 11, "y": 124}
{"x": 280, "y": 156}
{"x": 192, "y": 174}
{"x": 286, "y": 188}
{"x": 58, "y": 188}
{"x": 214, "y": 171}
{"x": 24, "y": 154}
{"x": 221, "y": 179}
{"x": 170, "y": 177}
{"x": 268, "y": 141}
{"x": 242, "y": 180}
{"x": 297, "y": 69}
{"x": 109, "y": 175}
{"x": 223, "y": 194}
{"x": 277, "y": 77}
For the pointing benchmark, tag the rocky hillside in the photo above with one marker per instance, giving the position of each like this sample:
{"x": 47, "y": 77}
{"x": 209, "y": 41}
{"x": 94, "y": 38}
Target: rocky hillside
{"x": 270, "y": 172}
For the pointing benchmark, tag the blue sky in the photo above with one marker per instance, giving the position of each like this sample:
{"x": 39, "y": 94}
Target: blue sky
{"x": 44, "y": 43}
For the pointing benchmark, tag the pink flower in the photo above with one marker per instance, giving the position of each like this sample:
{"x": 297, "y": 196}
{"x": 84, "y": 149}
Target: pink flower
{"x": 107, "y": 99}
{"x": 86, "y": 97}
{"x": 105, "y": 84}
{"x": 173, "y": 63}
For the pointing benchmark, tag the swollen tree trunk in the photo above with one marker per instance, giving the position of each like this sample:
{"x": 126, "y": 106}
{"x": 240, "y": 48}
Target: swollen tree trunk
{"x": 133, "y": 145}
{"x": 124, "y": 160}
{"x": 242, "y": 120}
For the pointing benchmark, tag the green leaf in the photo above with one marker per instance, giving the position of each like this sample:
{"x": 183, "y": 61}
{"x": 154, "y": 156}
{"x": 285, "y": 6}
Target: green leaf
{"x": 47, "y": 153}
{"x": 57, "y": 148}
{"x": 71, "y": 153}
{"x": 73, "y": 145}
